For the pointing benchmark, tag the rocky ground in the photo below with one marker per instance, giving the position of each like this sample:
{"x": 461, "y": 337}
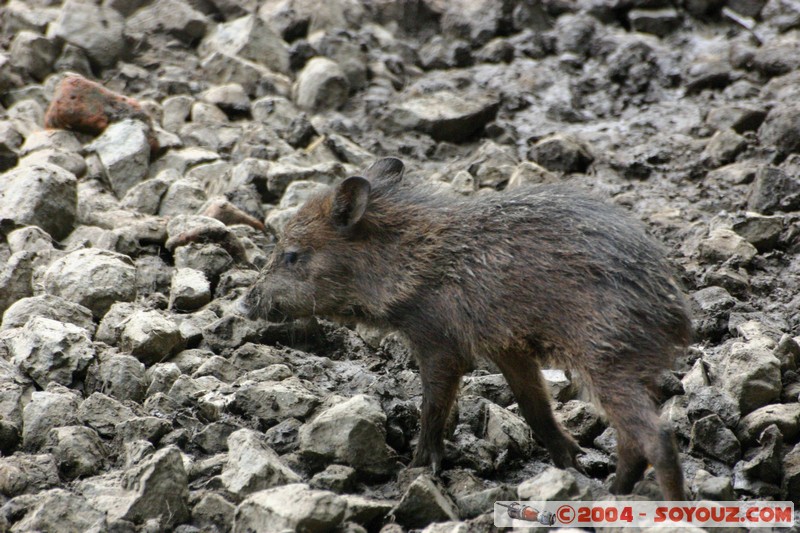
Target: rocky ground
{"x": 133, "y": 398}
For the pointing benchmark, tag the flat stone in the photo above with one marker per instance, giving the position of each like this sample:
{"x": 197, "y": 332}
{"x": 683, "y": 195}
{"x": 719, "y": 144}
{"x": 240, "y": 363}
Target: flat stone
{"x": 294, "y": 507}
{"x": 443, "y": 115}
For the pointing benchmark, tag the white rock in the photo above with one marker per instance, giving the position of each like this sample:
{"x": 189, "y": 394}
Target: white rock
{"x": 124, "y": 151}
{"x": 93, "y": 278}
{"x": 50, "y": 351}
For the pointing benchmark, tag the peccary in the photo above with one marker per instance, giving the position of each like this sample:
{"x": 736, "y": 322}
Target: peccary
{"x": 538, "y": 274}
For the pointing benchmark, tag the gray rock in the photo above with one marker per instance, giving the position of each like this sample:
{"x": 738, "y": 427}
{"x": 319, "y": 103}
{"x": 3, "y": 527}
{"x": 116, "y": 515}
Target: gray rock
{"x": 351, "y": 432}
{"x": 221, "y": 68}
{"x": 213, "y": 438}
{"x": 48, "y": 306}
{"x": 103, "y": 413}
{"x": 581, "y": 420}
{"x": 16, "y": 278}
{"x": 659, "y": 22}
{"x": 785, "y": 416}
{"x": 476, "y": 22}
{"x": 219, "y": 367}
{"x": 29, "y": 239}
{"x": 283, "y": 437}
{"x": 712, "y": 438}
{"x": 249, "y": 38}
{"x": 69, "y": 161}
{"x": 366, "y": 511}
{"x": 777, "y": 57}
{"x": 759, "y": 230}
{"x": 113, "y": 321}
{"x": 322, "y": 84}
{"x": 760, "y": 471}
{"x": 40, "y": 195}
{"x": 161, "y": 377}
{"x": 33, "y": 53}
{"x": 335, "y": 478}
{"x": 724, "y": 244}
{"x": 97, "y": 30}
{"x": 206, "y": 113}
{"x": 711, "y": 306}
{"x": 552, "y": 484}
{"x": 724, "y": 146}
{"x": 714, "y": 488}
{"x": 146, "y": 196}
{"x": 561, "y": 153}
{"x": 443, "y": 115}
{"x": 752, "y": 375}
{"x": 507, "y": 431}
{"x": 27, "y": 474}
{"x": 93, "y": 278}
{"x": 253, "y": 466}
{"x": 190, "y": 290}
{"x": 738, "y": 117}
{"x": 298, "y": 189}
{"x": 781, "y": 129}
{"x": 183, "y": 197}
{"x": 791, "y": 474}
{"x": 423, "y": 503}
{"x": 211, "y": 259}
{"x": 773, "y": 190}
{"x": 50, "y": 351}
{"x": 172, "y": 17}
{"x": 290, "y": 507}
{"x": 493, "y": 387}
{"x": 230, "y": 98}
{"x": 150, "y": 336}
{"x": 60, "y": 510}
{"x": 530, "y": 173}
{"x": 273, "y": 401}
{"x": 149, "y": 428}
{"x": 176, "y": 111}
{"x": 160, "y": 489}
{"x": 124, "y": 151}
{"x": 120, "y": 376}
{"x": 78, "y": 451}
{"x": 46, "y": 410}
{"x": 705, "y": 400}
{"x": 213, "y": 513}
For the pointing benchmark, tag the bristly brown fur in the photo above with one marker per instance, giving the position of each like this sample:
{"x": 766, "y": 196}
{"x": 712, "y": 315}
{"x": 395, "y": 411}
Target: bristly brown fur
{"x": 519, "y": 277}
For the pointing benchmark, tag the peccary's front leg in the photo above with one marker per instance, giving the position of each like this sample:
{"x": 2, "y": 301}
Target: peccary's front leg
{"x": 440, "y": 375}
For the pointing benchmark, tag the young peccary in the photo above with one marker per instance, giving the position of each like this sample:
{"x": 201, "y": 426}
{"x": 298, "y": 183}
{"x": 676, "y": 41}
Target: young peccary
{"x": 537, "y": 274}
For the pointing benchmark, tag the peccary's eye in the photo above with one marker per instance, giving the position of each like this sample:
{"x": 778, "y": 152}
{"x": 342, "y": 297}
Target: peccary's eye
{"x": 289, "y": 258}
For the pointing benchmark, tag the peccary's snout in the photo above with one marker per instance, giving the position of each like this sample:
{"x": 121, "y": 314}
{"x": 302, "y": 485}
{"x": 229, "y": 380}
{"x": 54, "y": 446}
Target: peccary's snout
{"x": 254, "y": 305}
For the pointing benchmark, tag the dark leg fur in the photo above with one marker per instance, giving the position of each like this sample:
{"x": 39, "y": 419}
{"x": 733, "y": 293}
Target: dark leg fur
{"x": 440, "y": 381}
{"x": 643, "y": 438}
{"x": 524, "y": 377}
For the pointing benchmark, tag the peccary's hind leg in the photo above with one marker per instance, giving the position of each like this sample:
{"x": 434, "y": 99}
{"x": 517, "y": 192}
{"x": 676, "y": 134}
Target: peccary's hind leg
{"x": 440, "y": 376}
{"x": 631, "y": 464}
{"x": 634, "y": 414}
{"x": 524, "y": 377}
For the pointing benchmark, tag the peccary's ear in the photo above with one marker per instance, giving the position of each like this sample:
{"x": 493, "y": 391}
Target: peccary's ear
{"x": 388, "y": 170}
{"x": 350, "y": 201}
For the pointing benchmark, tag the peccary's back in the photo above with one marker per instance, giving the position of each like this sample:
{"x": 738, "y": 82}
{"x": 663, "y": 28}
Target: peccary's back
{"x": 545, "y": 265}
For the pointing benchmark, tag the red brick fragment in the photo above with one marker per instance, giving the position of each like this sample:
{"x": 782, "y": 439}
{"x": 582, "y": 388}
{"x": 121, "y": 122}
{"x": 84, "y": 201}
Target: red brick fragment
{"x": 87, "y": 107}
